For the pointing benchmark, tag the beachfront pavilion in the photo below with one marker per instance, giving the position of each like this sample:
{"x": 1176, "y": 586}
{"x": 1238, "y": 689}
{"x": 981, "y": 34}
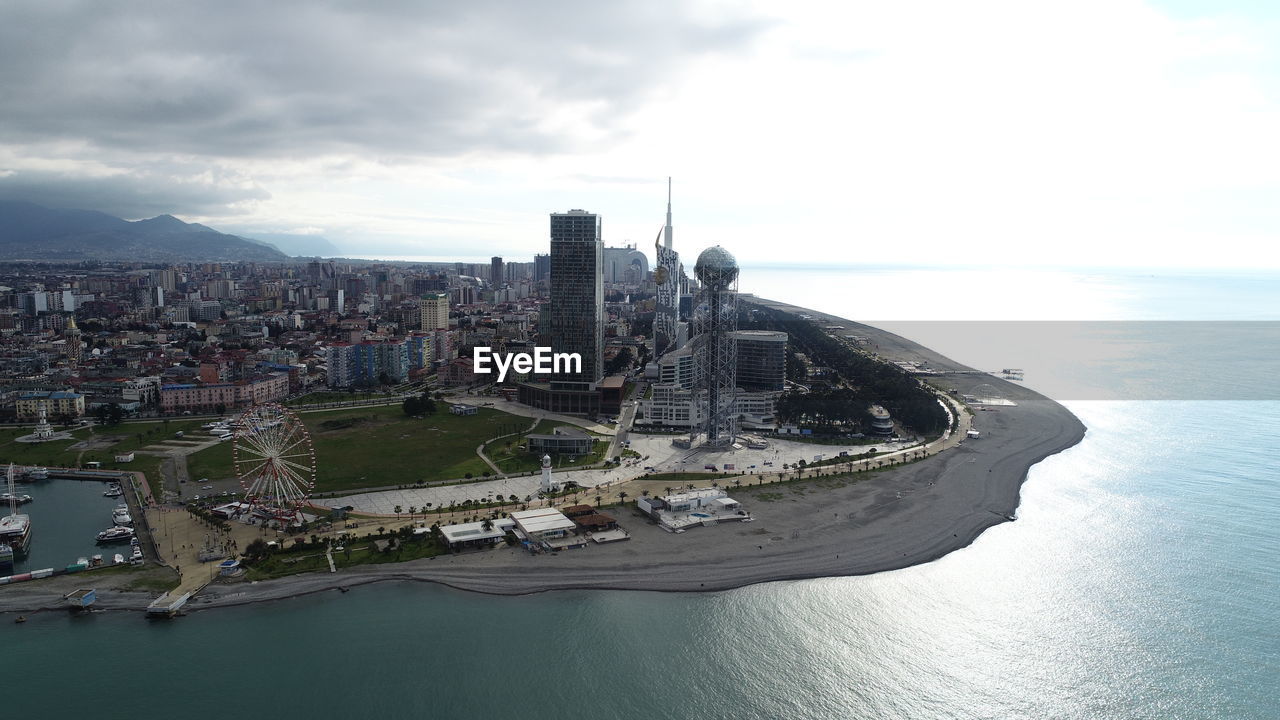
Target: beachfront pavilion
{"x": 542, "y": 524}
{"x": 475, "y": 534}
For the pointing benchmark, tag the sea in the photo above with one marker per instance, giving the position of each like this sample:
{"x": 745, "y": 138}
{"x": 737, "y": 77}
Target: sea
{"x": 1141, "y": 578}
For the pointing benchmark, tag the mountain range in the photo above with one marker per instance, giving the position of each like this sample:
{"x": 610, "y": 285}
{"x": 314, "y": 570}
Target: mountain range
{"x": 32, "y": 232}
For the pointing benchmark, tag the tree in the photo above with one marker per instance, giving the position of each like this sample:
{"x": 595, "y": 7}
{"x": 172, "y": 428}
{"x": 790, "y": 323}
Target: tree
{"x": 622, "y": 497}
{"x": 412, "y": 406}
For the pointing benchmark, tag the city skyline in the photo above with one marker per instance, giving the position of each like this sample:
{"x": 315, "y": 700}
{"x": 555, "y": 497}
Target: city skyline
{"x": 857, "y": 133}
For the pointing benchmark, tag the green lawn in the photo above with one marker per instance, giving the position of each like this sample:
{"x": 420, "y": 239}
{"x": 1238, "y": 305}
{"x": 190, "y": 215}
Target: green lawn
{"x": 292, "y": 562}
{"x": 380, "y": 447}
{"x": 124, "y": 438}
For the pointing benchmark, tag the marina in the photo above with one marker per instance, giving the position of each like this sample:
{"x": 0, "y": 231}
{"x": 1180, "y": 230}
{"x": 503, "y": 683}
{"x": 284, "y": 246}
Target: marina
{"x": 61, "y": 524}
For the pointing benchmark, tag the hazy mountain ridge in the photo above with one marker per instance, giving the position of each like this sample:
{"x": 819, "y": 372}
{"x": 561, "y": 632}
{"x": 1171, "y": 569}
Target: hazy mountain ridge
{"x": 32, "y": 232}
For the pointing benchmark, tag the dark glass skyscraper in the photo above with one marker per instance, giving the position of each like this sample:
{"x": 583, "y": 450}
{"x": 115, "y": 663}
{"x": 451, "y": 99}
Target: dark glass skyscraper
{"x": 576, "y": 315}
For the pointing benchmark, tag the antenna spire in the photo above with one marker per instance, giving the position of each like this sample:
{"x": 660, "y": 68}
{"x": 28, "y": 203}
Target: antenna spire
{"x": 667, "y": 231}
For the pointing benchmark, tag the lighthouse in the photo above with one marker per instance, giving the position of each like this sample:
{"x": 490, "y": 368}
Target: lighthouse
{"x": 547, "y": 485}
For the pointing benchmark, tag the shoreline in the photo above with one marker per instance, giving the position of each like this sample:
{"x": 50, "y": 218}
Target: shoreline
{"x": 887, "y": 520}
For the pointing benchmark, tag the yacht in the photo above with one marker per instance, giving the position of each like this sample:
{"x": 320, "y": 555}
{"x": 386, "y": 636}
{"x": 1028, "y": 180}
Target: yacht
{"x": 116, "y": 534}
{"x": 19, "y": 499}
{"x": 36, "y": 473}
{"x": 120, "y": 515}
{"x": 15, "y": 528}
{"x": 118, "y": 559}
{"x": 114, "y": 491}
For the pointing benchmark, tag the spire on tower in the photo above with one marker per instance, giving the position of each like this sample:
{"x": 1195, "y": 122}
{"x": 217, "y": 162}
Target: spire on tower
{"x": 666, "y": 239}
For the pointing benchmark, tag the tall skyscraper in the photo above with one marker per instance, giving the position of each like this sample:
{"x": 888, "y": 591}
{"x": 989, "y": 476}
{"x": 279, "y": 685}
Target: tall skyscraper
{"x": 667, "y": 278}
{"x": 541, "y": 267}
{"x": 576, "y": 315}
{"x": 495, "y": 272}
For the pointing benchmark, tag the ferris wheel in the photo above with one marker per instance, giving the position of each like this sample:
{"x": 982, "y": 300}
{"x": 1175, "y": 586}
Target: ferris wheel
{"x": 274, "y": 460}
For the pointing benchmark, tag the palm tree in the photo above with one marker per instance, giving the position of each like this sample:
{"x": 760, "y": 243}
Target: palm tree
{"x": 598, "y": 501}
{"x": 397, "y": 511}
{"x": 622, "y": 497}
{"x": 412, "y": 511}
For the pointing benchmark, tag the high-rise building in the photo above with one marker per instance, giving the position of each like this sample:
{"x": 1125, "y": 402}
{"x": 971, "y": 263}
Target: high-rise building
{"x": 435, "y": 311}
{"x": 495, "y": 271}
{"x": 576, "y": 315}
{"x": 667, "y": 277}
{"x": 541, "y": 267}
{"x": 762, "y": 360}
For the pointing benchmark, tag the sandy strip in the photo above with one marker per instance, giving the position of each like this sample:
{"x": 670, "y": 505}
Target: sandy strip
{"x": 880, "y": 521}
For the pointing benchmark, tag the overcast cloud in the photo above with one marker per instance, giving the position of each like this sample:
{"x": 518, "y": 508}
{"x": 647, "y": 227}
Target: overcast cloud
{"x": 158, "y": 88}
{"x": 1134, "y": 132}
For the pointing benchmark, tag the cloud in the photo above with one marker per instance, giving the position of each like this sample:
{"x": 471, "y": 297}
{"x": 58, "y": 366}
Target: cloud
{"x": 136, "y": 193}
{"x": 384, "y": 80}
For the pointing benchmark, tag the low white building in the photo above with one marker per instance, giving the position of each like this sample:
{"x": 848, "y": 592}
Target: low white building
{"x": 543, "y": 526}
{"x": 475, "y": 533}
{"x": 706, "y": 506}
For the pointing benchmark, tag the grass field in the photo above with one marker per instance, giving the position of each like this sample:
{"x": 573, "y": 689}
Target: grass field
{"x": 117, "y": 439}
{"x": 380, "y": 446}
{"x": 357, "y": 552}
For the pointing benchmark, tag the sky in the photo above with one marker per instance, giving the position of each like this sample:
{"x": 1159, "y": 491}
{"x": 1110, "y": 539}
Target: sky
{"x": 1116, "y": 133}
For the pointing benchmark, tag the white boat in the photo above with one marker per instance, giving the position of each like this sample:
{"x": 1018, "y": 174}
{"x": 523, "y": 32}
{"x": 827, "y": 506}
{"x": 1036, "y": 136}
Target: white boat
{"x": 115, "y": 534}
{"x": 114, "y": 491}
{"x": 15, "y": 528}
{"x": 118, "y": 559}
{"x": 19, "y": 499}
{"x": 121, "y": 517}
{"x": 37, "y": 473}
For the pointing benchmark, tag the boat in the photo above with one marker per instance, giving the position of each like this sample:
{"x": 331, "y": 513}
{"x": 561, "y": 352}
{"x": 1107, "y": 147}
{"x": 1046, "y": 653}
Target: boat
{"x": 15, "y": 528}
{"x": 120, "y": 516}
{"x": 96, "y": 561}
{"x": 114, "y": 491}
{"x": 6, "y": 559}
{"x": 36, "y": 473}
{"x": 118, "y": 559}
{"x": 115, "y": 534}
{"x": 19, "y": 499}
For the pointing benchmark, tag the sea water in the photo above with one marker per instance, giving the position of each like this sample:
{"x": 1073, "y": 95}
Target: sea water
{"x": 1140, "y": 580}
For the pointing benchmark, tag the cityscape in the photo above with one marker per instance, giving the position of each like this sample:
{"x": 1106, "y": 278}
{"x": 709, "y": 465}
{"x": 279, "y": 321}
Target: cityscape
{"x": 225, "y": 389}
{"x": 663, "y": 359}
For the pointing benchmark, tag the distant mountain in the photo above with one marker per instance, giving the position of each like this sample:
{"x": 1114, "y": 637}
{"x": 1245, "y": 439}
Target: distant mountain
{"x": 31, "y": 232}
{"x": 299, "y": 245}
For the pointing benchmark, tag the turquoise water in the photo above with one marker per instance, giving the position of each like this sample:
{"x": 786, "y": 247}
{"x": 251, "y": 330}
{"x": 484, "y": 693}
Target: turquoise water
{"x": 1141, "y": 580}
{"x": 66, "y": 517}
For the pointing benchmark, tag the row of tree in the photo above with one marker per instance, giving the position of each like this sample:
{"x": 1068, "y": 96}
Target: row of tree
{"x": 862, "y": 380}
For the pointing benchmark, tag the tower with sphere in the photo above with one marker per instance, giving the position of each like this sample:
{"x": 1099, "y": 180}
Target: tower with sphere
{"x": 715, "y": 350}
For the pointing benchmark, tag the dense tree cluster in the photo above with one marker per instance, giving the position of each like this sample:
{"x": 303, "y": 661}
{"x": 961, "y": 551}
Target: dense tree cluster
{"x": 419, "y": 405}
{"x": 862, "y": 380}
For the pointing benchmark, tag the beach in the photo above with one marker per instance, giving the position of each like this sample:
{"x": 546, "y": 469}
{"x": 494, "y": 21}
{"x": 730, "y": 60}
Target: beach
{"x": 868, "y": 523}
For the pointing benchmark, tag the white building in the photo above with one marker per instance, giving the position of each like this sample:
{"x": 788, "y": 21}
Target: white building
{"x": 475, "y": 533}
{"x": 543, "y": 526}
{"x": 707, "y": 506}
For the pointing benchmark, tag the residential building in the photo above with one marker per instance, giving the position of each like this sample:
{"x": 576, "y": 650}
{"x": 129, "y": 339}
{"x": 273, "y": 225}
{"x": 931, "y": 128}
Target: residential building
{"x": 56, "y": 403}
{"x": 435, "y": 311}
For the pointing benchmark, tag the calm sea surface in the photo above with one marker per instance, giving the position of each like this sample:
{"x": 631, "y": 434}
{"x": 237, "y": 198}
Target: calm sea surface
{"x": 1142, "y": 580}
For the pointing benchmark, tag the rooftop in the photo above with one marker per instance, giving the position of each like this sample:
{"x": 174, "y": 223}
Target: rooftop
{"x": 542, "y": 520}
